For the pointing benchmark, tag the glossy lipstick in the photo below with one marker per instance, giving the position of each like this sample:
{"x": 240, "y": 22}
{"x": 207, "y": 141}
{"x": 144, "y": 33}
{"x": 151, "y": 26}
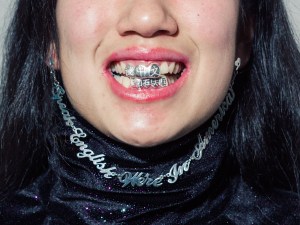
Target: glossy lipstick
{"x": 145, "y": 55}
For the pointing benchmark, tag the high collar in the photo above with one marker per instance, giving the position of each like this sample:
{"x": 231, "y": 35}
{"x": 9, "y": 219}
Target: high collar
{"x": 80, "y": 178}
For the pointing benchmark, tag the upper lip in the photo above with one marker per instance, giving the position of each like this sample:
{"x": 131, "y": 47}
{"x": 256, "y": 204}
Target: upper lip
{"x": 146, "y": 54}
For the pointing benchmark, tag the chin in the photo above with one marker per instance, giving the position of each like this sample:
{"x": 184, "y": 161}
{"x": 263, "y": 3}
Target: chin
{"x": 143, "y": 139}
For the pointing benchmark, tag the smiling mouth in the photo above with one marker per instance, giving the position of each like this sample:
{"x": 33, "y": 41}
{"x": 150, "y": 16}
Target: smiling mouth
{"x": 146, "y": 75}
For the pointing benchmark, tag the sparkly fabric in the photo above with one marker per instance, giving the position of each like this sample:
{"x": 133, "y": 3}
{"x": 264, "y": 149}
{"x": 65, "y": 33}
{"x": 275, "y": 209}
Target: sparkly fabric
{"x": 73, "y": 192}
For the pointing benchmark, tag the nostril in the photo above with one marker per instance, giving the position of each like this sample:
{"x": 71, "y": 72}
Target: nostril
{"x": 147, "y": 20}
{"x": 165, "y": 32}
{"x": 150, "y": 34}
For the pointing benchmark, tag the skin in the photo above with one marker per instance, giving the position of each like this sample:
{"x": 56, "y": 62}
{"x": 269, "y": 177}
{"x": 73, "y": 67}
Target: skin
{"x": 91, "y": 30}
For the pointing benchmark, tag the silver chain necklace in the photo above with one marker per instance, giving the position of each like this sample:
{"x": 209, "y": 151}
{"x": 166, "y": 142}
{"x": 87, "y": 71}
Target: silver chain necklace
{"x": 139, "y": 179}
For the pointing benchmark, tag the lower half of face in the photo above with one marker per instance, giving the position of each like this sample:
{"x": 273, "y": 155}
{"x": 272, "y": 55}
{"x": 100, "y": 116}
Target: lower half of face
{"x": 147, "y": 73}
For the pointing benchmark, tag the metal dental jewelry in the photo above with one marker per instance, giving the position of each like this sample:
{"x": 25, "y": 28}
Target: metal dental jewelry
{"x": 142, "y": 76}
{"x": 140, "y": 179}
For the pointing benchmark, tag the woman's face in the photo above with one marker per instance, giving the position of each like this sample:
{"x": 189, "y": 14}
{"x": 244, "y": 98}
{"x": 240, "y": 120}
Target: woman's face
{"x": 104, "y": 43}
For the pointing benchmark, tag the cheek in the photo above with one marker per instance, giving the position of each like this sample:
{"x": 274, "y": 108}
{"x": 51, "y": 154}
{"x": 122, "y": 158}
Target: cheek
{"x": 80, "y": 24}
{"x": 213, "y": 24}
{"x": 218, "y": 35}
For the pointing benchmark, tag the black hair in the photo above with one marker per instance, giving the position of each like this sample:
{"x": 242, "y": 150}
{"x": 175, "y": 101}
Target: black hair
{"x": 26, "y": 106}
{"x": 264, "y": 130}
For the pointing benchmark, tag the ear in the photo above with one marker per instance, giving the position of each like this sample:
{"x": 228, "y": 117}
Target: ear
{"x": 245, "y": 38}
{"x": 52, "y": 55}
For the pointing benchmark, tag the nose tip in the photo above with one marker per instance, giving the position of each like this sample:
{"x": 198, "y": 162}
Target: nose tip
{"x": 147, "y": 19}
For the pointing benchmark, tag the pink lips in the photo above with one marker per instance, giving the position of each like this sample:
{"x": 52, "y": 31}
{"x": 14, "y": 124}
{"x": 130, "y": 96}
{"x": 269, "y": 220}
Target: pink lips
{"x": 144, "y": 54}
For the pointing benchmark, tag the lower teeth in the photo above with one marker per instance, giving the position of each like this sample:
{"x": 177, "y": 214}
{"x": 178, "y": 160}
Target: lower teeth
{"x": 149, "y": 82}
{"x": 143, "y": 83}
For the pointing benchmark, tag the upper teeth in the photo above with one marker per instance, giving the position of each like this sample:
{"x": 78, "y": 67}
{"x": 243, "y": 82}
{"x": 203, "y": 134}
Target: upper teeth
{"x": 142, "y": 70}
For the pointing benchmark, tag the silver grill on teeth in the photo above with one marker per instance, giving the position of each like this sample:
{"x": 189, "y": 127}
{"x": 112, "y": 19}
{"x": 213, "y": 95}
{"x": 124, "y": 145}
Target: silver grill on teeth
{"x": 142, "y": 71}
{"x": 143, "y": 76}
{"x": 149, "y": 82}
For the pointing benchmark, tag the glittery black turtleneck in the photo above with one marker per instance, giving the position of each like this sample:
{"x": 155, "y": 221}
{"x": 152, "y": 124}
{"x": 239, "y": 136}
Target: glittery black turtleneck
{"x": 73, "y": 191}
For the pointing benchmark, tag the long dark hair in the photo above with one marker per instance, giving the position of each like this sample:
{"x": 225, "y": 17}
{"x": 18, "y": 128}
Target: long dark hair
{"x": 264, "y": 130}
{"x": 26, "y": 107}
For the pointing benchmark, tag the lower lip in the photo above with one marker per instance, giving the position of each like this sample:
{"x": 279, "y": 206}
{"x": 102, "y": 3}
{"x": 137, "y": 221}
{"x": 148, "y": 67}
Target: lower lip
{"x": 145, "y": 95}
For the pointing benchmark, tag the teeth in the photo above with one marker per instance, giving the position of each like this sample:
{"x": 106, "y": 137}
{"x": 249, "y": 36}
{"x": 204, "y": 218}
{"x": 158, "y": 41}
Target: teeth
{"x": 164, "y": 68}
{"x": 176, "y": 69}
{"x": 126, "y": 82}
{"x": 146, "y": 75}
{"x": 127, "y": 69}
{"x": 113, "y": 68}
{"x": 118, "y": 78}
{"x": 162, "y": 81}
{"x": 123, "y": 67}
{"x": 171, "y": 68}
{"x": 171, "y": 80}
{"x": 118, "y": 68}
